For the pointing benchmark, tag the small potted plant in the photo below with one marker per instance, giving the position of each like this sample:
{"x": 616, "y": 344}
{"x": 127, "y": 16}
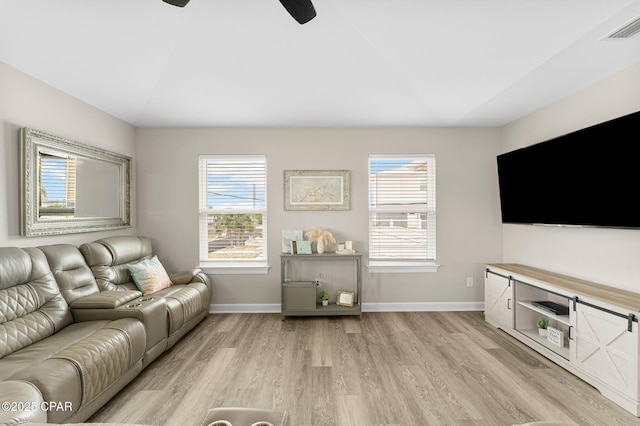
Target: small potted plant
{"x": 324, "y": 296}
{"x": 543, "y": 323}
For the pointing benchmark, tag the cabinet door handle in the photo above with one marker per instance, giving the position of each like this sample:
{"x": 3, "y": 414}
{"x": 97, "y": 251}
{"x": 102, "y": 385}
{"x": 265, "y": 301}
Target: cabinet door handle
{"x": 508, "y": 303}
{"x": 570, "y": 334}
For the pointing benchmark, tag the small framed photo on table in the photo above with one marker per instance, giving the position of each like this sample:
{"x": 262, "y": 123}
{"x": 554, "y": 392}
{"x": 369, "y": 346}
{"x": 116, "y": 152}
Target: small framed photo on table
{"x": 346, "y": 298}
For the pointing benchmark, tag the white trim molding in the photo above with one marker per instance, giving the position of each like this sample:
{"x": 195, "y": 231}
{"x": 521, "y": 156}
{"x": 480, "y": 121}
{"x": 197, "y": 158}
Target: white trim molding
{"x": 274, "y": 308}
{"x": 244, "y": 308}
{"x": 423, "y": 307}
{"x": 379, "y": 267}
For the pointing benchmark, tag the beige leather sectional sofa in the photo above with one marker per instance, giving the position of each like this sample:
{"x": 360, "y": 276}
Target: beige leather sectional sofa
{"x": 74, "y": 329}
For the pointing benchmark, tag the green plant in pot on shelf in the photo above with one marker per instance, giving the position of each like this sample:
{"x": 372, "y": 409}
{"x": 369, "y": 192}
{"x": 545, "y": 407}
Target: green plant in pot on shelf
{"x": 543, "y": 323}
{"x": 324, "y": 296}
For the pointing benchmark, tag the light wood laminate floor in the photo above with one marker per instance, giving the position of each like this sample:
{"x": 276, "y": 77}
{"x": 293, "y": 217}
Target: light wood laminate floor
{"x": 410, "y": 368}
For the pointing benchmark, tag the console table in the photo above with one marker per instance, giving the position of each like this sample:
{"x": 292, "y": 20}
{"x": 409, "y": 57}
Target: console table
{"x": 299, "y": 298}
{"x": 593, "y": 334}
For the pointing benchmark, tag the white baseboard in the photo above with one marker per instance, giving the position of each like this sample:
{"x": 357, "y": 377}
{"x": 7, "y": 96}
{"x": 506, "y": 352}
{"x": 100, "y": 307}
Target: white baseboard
{"x": 274, "y": 308}
{"x": 242, "y": 308}
{"x": 423, "y": 307}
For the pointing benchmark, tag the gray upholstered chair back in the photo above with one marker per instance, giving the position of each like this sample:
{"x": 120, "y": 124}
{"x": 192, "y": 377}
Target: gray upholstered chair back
{"x": 108, "y": 259}
{"x": 31, "y": 306}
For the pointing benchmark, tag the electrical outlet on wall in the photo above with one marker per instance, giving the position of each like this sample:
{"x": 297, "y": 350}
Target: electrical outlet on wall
{"x": 469, "y": 281}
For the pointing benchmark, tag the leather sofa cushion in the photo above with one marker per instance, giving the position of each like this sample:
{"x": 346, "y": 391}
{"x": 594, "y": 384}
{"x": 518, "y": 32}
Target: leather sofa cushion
{"x": 108, "y": 259}
{"x": 45, "y": 349}
{"x": 31, "y": 306}
{"x": 127, "y": 249}
{"x": 73, "y": 275}
{"x": 77, "y": 364}
{"x": 21, "y": 393}
{"x": 106, "y": 300}
{"x": 184, "y": 302}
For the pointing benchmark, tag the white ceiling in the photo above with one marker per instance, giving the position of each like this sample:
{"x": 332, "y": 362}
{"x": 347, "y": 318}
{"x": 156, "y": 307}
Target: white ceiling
{"x": 358, "y": 63}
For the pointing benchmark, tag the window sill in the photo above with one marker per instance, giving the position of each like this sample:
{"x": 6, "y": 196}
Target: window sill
{"x": 235, "y": 268}
{"x": 399, "y": 267}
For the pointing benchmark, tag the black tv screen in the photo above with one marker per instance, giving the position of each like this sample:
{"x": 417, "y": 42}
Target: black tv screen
{"x": 590, "y": 177}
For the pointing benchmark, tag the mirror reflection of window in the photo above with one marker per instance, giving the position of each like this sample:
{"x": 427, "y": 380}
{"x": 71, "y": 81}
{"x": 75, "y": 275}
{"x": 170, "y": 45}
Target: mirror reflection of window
{"x": 57, "y": 185}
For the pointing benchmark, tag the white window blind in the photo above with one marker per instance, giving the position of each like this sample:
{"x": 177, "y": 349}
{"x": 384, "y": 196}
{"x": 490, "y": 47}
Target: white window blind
{"x": 57, "y": 185}
{"x": 233, "y": 209}
{"x": 402, "y": 208}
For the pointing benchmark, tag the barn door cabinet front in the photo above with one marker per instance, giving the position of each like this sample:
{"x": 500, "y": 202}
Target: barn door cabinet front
{"x": 605, "y": 347}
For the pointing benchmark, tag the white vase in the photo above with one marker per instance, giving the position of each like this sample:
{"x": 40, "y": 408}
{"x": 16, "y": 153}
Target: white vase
{"x": 325, "y": 303}
{"x": 542, "y": 331}
{"x": 320, "y": 246}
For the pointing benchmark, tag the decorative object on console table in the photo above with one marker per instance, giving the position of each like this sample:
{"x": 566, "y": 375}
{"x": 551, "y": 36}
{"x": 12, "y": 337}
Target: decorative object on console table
{"x": 555, "y": 336}
{"x": 288, "y": 237}
{"x": 304, "y": 247}
{"x": 322, "y": 238}
{"x": 324, "y": 296}
{"x": 345, "y": 247}
{"x": 317, "y": 190}
{"x": 346, "y": 298}
{"x": 542, "y": 324}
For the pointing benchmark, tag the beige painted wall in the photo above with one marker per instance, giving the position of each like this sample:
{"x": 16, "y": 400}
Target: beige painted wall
{"x": 468, "y": 220}
{"x": 469, "y": 229}
{"x": 609, "y": 256}
{"x": 27, "y": 102}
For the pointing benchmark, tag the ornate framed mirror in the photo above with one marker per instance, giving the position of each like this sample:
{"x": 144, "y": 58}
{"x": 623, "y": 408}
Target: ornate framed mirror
{"x": 69, "y": 187}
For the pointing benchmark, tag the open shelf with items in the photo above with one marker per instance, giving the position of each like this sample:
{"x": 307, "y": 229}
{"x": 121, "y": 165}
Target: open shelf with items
{"x": 527, "y": 315}
{"x": 593, "y": 328}
{"x": 300, "y": 297}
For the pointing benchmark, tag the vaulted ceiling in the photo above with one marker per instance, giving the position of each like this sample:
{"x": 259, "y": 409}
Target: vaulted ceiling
{"x": 358, "y": 63}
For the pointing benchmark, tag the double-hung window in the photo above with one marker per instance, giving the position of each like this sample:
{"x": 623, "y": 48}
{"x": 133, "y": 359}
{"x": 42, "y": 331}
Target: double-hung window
{"x": 233, "y": 213}
{"x": 402, "y": 213}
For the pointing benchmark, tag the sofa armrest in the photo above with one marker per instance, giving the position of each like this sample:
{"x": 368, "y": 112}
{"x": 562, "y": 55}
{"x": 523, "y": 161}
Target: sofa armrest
{"x": 105, "y": 299}
{"x": 188, "y": 277}
{"x": 194, "y": 276}
{"x": 22, "y": 403}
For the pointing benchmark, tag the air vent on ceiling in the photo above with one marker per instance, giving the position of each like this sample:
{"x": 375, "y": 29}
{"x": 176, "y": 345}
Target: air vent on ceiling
{"x": 626, "y": 31}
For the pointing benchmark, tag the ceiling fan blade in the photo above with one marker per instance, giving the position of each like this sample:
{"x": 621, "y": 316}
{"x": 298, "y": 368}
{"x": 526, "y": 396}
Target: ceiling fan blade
{"x": 301, "y": 10}
{"x": 179, "y": 3}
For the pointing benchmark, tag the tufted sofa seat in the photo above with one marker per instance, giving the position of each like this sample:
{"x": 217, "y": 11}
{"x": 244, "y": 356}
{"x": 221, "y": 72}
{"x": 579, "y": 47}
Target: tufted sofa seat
{"x": 78, "y": 364}
{"x": 187, "y": 300}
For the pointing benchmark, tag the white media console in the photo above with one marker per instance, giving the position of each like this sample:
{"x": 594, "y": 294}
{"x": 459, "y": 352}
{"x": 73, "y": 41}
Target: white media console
{"x": 597, "y": 339}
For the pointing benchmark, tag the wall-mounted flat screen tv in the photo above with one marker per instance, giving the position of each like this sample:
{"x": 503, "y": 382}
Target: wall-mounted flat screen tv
{"x": 590, "y": 177}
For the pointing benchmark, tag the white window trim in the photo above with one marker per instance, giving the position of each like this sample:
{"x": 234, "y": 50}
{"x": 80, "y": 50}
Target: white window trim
{"x": 236, "y": 267}
{"x": 385, "y": 267}
{"x": 231, "y": 268}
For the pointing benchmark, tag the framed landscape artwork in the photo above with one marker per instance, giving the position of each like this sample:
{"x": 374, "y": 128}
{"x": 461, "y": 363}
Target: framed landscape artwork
{"x": 317, "y": 190}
